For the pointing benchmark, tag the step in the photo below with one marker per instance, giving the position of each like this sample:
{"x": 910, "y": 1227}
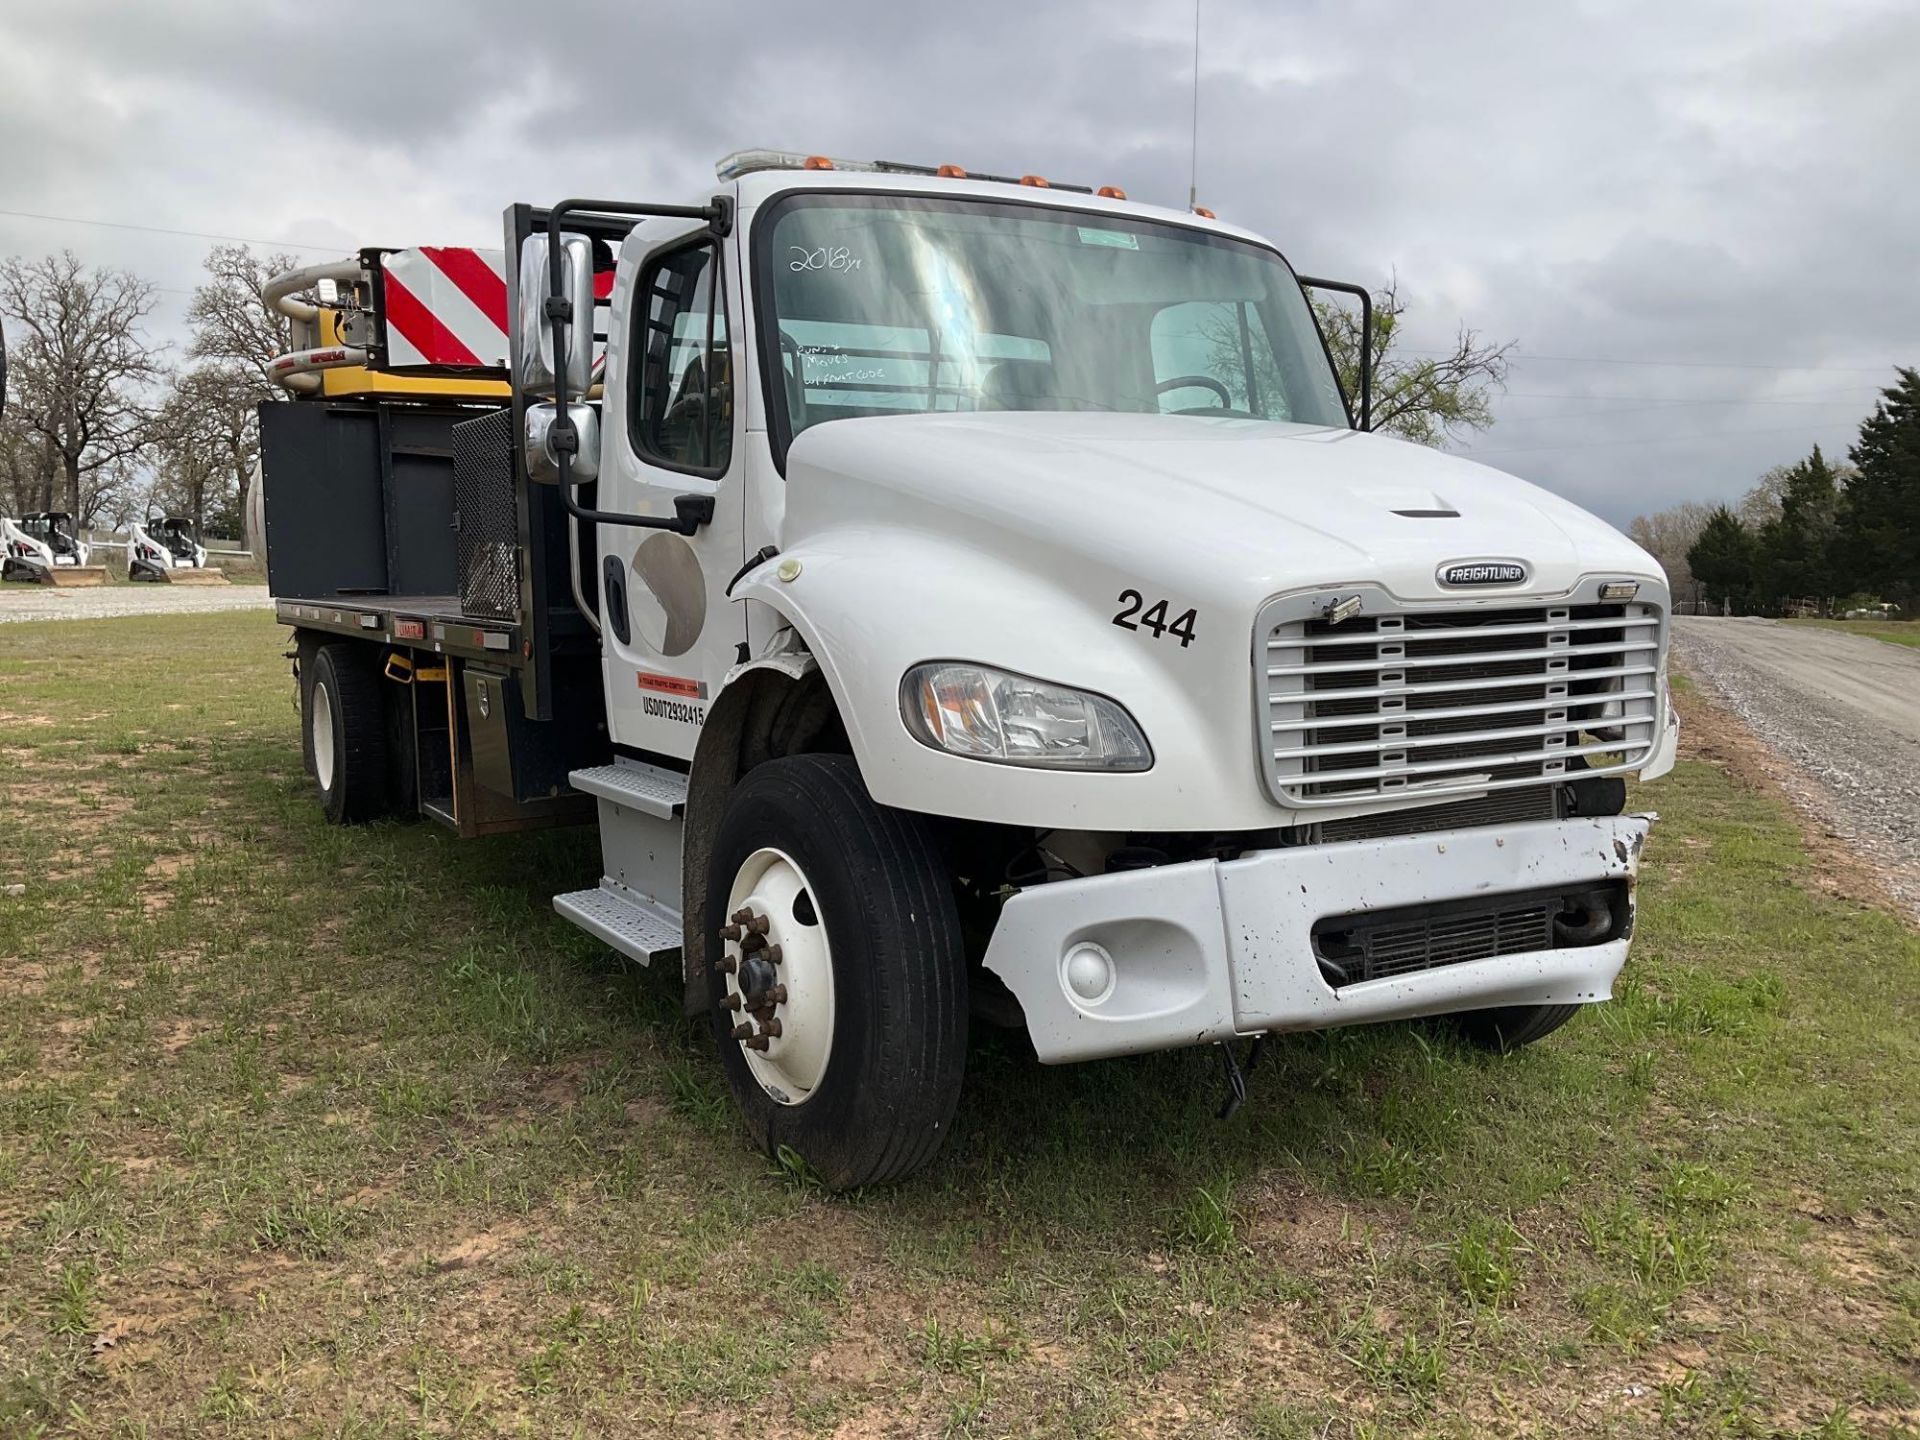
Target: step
{"x": 635, "y": 785}
{"x": 629, "y": 924}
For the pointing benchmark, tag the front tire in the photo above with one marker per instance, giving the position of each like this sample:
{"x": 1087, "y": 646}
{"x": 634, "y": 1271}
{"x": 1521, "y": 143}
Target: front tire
{"x": 1509, "y": 1027}
{"x": 346, "y": 735}
{"x": 839, "y": 995}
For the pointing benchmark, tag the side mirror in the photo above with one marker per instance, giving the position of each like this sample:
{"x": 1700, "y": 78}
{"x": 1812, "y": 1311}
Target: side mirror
{"x": 542, "y": 457}
{"x": 535, "y": 364}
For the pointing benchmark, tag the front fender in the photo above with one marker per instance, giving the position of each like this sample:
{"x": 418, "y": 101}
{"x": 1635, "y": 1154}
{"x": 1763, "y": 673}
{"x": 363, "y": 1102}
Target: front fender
{"x": 871, "y": 604}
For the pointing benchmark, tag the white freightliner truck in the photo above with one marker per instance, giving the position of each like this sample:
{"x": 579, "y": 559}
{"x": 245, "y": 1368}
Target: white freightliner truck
{"x": 956, "y": 596}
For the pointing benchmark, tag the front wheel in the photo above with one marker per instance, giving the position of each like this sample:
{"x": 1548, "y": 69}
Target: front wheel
{"x": 1509, "y": 1027}
{"x": 840, "y": 989}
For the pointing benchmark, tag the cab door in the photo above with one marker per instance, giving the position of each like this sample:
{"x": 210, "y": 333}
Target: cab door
{"x": 674, "y": 427}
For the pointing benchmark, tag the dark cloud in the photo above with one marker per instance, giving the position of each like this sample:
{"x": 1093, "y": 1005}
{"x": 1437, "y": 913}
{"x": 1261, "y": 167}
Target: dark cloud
{"x": 1715, "y": 182}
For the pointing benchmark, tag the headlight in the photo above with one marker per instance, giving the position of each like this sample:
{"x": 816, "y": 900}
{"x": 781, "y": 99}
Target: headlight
{"x": 987, "y": 714}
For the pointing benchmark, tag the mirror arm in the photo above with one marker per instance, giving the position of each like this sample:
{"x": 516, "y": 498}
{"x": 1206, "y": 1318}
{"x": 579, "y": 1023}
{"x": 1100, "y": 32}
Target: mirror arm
{"x": 690, "y": 511}
{"x": 1366, "y": 337}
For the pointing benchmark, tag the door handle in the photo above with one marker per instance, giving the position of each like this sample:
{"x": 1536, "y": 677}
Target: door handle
{"x": 613, "y": 597}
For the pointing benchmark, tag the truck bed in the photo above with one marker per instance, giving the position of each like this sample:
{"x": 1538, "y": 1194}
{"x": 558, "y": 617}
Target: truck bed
{"x": 415, "y": 622}
{"x": 402, "y": 524}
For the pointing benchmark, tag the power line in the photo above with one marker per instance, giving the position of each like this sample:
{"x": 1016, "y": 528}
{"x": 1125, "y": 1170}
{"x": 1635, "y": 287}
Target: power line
{"x": 161, "y": 230}
{"x": 1684, "y": 364}
{"x": 1667, "y": 405}
{"x": 1660, "y": 439}
{"x": 1810, "y": 398}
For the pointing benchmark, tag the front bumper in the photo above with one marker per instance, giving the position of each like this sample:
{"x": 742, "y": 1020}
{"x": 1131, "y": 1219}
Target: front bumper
{"x": 1209, "y": 950}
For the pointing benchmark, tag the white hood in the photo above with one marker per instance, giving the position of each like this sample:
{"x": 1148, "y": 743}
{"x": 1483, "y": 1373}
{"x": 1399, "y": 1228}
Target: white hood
{"x": 1258, "y": 505}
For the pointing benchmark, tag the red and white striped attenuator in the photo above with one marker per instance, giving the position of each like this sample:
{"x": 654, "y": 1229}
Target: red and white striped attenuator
{"x": 447, "y": 306}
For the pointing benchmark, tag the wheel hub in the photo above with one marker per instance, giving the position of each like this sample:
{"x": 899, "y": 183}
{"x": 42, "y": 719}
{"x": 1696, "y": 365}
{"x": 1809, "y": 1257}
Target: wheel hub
{"x": 322, "y": 705}
{"x": 779, "y": 976}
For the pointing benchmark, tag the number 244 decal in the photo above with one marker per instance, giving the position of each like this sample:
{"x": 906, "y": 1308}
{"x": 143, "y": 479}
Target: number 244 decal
{"x": 1155, "y": 618}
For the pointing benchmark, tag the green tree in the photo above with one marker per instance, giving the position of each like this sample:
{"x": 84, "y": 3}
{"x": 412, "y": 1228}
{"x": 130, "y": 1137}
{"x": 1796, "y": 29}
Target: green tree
{"x": 1797, "y": 549}
{"x": 1722, "y": 559}
{"x": 1879, "y": 524}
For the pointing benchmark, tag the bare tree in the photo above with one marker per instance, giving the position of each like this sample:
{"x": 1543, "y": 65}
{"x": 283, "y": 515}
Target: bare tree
{"x": 78, "y": 350}
{"x": 27, "y": 467}
{"x": 230, "y": 317}
{"x": 240, "y": 334}
{"x": 1667, "y": 535}
{"x": 190, "y": 452}
{"x": 1762, "y": 502}
{"x": 1424, "y": 399}
{"x": 218, "y": 404}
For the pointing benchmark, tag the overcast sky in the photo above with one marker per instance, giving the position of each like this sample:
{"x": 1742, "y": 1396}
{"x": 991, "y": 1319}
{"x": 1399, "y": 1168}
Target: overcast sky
{"x": 1699, "y": 220}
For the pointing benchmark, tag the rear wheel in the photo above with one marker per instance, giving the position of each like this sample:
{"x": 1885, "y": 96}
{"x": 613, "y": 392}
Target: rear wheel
{"x": 840, "y": 990}
{"x": 346, "y": 735}
{"x": 1508, "y": 1028}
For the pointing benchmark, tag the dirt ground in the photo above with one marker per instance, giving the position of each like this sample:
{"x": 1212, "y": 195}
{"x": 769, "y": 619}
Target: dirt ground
{"x": 22, "y": 602}
{"x": 1839, "y": 715}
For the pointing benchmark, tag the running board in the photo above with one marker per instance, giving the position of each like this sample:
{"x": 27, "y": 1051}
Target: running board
{"x": 638, "y": 930}
{"x": 635, "y": 785}
{"x": 636, "y": 908}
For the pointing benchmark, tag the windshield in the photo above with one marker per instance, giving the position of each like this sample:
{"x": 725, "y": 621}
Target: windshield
{"x": 885, "y": 303}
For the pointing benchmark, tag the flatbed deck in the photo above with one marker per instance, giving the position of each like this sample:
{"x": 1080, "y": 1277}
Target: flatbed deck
{"x": 415, "y": 622}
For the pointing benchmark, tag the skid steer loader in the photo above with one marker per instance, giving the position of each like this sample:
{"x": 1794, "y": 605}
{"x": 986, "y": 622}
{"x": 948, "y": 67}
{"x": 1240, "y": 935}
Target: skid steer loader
{"x": 45, "y": 546}
{"x": 165, "y": 548}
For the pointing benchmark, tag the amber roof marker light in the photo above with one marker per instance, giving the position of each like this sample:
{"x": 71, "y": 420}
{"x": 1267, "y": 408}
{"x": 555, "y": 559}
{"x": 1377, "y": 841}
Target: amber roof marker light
{"x": 1204, "y": 213}
{"x": 1111, "y": 192}
{"x": 749, "y": 162}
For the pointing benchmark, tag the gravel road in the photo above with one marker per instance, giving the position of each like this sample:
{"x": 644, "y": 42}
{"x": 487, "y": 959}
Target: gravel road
{"x": 1842, "y": 709}
{"x": 102, "y": 602}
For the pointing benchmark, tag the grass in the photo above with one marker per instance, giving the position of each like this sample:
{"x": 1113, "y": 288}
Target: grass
{"x": 1894, "y": 632}
{"x": 311, "y": 1132}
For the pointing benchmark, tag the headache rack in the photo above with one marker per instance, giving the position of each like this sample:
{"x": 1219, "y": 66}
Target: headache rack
{"x": 1418, "y": 703}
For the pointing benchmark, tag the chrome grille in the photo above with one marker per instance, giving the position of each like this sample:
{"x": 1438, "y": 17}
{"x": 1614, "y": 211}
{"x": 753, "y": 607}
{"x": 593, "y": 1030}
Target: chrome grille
{"x": 1413, "y": 704}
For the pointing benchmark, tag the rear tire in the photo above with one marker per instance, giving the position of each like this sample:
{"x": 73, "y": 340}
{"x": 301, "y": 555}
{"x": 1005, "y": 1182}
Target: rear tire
{"x": 863, "y": 1076}
{"x": 1508, "y": 1028}
{"x": 346, "y": 735}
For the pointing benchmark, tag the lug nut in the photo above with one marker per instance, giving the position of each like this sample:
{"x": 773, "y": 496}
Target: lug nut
{"x": 743, "y": 1031}
{"x": 740, "y": 917}
{"x": 729, "y": 964}
{"x": 771, "y": 1027}
{"x": 732, "y": 1002}
{"x": 759, "y": 1042}
{"x": 777, "y": 995}
{"x": 774, "y": 955}
{"x": 730, "y": 932}
{"x": 757, "y": 924}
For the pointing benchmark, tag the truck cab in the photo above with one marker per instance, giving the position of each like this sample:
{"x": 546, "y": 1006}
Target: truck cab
{"x": 962, "y": 597}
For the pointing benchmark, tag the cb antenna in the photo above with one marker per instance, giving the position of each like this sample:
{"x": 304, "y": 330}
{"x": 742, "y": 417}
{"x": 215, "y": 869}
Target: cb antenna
{"x": 1193, "y": 154}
